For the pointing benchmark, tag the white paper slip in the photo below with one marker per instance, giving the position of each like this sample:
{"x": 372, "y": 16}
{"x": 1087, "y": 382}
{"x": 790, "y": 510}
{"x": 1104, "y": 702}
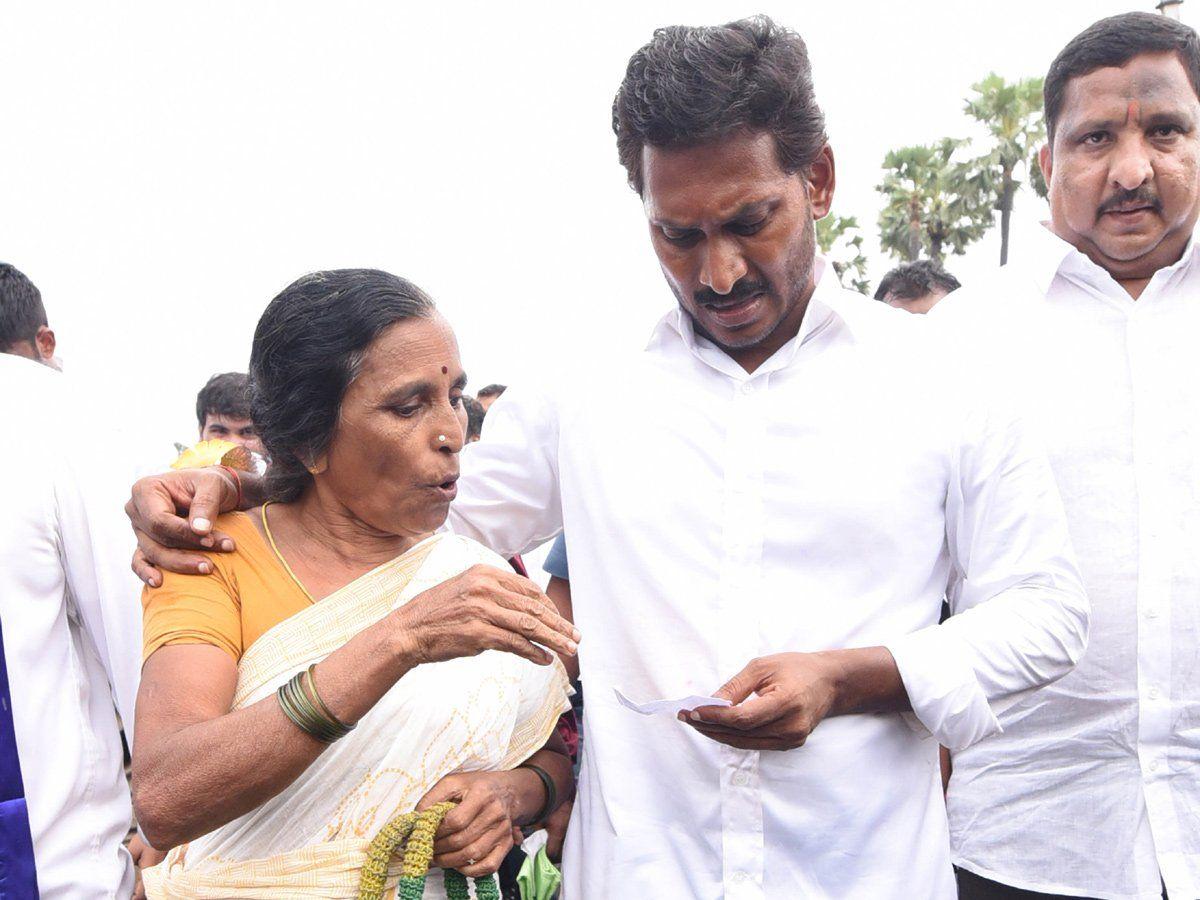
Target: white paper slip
{"x": 669, "y": 706}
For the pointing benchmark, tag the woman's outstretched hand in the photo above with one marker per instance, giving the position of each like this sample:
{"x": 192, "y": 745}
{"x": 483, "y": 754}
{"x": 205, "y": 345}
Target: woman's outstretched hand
{"x": 484, "y": 608}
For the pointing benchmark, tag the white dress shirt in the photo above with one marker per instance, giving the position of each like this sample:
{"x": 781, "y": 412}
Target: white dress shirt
{"x": 1093, "y": 789}
{"x": 827, "y": 500}
{"x": 72, "y": 633}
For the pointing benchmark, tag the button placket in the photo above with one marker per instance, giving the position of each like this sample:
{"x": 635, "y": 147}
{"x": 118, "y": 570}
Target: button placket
{"x": 741, "y": 798}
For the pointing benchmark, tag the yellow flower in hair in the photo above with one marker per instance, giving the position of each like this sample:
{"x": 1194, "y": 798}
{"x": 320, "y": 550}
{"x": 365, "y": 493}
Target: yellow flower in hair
{"x": 215, "y": 453}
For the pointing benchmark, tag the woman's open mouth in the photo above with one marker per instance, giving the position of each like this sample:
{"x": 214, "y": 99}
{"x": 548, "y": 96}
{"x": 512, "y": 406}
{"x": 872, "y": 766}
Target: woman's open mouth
{"x": 448, "y": 489}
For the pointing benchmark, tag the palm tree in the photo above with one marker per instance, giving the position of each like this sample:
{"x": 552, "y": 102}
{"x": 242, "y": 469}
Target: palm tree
{"x": 848, "y": 259}
{"x": 1012, "y": 114}
{"x": 934, "y": 204}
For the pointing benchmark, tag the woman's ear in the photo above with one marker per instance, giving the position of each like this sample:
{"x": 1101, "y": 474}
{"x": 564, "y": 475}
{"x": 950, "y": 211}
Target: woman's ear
{"x": 318, "y": 464}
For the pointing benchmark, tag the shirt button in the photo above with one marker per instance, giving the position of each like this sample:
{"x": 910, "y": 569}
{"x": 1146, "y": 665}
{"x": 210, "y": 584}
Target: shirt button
{"x": 741, "y": 876}
{"x": 1152, "y": 693}
{"x": 747, "y": 388}
{"x": 1152, "y": 612}
{"x": 741, "y": 779}
{"x": 1153, "y": 767}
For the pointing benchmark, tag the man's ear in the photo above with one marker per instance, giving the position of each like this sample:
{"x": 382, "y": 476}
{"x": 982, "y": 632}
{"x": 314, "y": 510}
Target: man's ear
{"x": 45, "y": 342}
{"x": 1046, "y": 162}
{"x": 821, "y": 180}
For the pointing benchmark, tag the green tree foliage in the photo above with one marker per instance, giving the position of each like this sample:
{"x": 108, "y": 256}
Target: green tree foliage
{"x": 1012, "y": 114}
{"x": 934, "y": 203}
{"x": 840, "y": 241}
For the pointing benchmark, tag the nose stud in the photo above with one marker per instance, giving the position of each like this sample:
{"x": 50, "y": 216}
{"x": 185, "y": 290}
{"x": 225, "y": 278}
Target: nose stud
{"x": 441, "y": 438}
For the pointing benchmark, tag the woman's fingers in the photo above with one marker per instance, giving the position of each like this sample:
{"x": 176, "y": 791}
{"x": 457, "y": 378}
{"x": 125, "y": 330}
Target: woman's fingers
{"x": 543, "y": 612}
{"x": 491, "y": 863}
{"x": 496, "y": 638}
{"x": 474, "y": 859}
{"x": 531, "y": 628}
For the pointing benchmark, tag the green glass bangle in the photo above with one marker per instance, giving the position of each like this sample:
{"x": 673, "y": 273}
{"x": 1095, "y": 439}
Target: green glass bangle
{"x": 309, "y": 682}
{"x": 303, "y": 713}
{"x": 551, "y": 791}
{"x": 317, "y": 724}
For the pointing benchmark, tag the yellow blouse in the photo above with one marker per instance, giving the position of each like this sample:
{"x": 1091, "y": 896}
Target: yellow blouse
{"x": 248, "y": 593}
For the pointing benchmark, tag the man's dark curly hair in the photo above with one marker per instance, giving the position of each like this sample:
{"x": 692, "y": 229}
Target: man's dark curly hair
{"x": 224, "y": 395}
{"x": 916, "y": 279}
{"x": 689, "y": 86}
{"x": 1114, "y": 42}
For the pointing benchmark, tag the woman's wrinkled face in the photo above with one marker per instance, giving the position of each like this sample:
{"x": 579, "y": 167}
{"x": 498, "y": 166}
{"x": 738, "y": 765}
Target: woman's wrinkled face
{"x": 393, "y": 459}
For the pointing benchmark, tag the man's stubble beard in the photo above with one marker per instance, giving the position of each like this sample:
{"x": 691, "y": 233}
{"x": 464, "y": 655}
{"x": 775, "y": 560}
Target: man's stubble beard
{"x": 800, "y": 269}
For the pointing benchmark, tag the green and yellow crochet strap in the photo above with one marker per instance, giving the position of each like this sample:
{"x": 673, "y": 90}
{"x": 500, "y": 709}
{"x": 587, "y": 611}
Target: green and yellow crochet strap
{"x": 417, "y": 829}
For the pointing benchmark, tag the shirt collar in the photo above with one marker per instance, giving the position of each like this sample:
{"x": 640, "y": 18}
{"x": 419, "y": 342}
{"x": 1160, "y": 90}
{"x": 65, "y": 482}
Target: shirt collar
{"x": 1049, "y": 256}
{"x": 829, "y": 300}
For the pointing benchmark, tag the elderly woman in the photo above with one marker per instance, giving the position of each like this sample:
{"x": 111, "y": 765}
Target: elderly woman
{"x": 346, "y": 664}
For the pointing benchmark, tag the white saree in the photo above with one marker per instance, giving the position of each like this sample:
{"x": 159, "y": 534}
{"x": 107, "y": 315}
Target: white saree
{"x": 484, "y": 713}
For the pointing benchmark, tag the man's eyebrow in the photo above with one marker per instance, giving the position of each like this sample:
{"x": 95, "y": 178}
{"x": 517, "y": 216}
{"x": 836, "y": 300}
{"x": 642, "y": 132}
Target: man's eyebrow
{"x": 1168, "y": 117}
{"x": 1087, "y": 126}
{"x": 750, "y": 208}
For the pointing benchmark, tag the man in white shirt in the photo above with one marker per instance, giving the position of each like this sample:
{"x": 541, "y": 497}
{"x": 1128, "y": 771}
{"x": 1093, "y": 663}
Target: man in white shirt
{"x": 1093, "y": 787}
{"x": 71, "y": 649}
{"x": 762, "y": 509}
{"x": 24, "y": 329}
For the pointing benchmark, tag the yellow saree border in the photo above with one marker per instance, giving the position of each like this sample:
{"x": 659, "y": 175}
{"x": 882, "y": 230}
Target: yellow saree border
{"x": 329, "y": 624}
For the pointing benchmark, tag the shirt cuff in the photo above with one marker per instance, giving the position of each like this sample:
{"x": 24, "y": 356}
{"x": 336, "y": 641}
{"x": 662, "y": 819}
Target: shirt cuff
{"x": 946, "y": 697}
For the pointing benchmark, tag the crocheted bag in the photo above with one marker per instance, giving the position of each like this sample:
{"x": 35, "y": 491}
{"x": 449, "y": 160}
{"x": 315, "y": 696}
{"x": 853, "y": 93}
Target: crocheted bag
{"x": 417, "y": 829}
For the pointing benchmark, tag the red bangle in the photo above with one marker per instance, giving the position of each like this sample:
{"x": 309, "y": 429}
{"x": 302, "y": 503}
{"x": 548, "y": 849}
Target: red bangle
{"x": 237, "y": 479}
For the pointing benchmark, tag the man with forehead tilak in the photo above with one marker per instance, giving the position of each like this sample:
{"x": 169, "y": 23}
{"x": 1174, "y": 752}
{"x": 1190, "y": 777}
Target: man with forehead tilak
{"x": 1093, "y": 787}
{"x": 761, "y": 509}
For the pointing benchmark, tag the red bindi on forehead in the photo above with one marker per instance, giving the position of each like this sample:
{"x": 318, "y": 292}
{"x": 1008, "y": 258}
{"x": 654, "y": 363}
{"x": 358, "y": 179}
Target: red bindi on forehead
{"x": 445, "y": 370}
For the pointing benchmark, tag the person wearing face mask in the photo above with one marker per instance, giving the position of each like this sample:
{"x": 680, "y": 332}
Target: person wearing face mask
{"x": 1092, "y": 788}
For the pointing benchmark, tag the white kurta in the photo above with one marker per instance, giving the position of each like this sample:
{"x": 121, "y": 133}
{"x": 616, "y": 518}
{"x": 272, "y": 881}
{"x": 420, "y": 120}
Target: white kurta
{"x": 828, "y": 500}
{"x": 72, "y": 634}
{"x": 1093, "y": 789}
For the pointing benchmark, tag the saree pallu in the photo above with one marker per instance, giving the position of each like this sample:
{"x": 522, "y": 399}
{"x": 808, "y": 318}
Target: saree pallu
{"x": 484, "y": 713}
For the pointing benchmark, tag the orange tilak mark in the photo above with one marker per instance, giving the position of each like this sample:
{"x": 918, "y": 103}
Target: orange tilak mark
{"x": 1133, "y": 113}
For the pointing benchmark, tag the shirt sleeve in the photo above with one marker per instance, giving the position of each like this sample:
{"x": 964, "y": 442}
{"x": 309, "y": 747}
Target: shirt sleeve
{"x": 192, "y": 609}
{"x": 508, "y": 493}
{"x": 1019, "y": 615}
{"x": 95, "y": 546}
{"x": 556, "y": 560}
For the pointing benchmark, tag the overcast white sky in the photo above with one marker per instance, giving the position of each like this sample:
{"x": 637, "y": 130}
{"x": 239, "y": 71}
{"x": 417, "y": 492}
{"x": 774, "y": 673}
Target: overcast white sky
{"x": 166, "y": 168}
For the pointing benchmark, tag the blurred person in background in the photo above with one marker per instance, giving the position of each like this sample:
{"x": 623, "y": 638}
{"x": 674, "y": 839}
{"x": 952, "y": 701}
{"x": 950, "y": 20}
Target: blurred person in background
{"x": 1092, "y": 788}
{"x": 916, "y": 287}
{"x": 489, "y": 394}
{"x": 475, "y": 412}
{"x": 24, "y": 328}
{"x": 223, "y": 411}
